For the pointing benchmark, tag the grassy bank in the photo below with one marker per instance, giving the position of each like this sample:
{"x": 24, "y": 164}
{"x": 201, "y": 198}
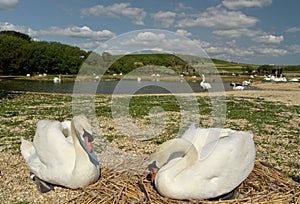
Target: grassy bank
{"x": 275, "y": 125}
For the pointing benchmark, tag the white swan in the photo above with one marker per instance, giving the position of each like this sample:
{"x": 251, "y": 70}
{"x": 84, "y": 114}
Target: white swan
{"x": 235, "y": 87}
{"x": 204, "y": 84}
{"x": 294, "y": 80}
{"x": 246, "y": 83}
{"x": 57, "y": 79}
{"x": 203, "y": 164}
{"x": 62, "y": 154}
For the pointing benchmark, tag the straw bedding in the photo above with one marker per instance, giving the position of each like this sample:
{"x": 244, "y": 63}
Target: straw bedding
{"x": 264, "y": 185}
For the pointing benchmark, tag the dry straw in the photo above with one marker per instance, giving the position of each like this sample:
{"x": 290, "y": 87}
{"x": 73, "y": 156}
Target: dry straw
{"x": 264, "y": 185}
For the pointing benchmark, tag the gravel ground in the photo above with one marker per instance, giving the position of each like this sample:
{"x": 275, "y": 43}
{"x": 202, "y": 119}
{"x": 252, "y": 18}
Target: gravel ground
{"x": 16, "y": 186}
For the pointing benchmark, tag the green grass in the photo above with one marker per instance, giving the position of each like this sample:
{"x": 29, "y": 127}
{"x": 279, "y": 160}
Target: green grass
{"x": 275, "y": 126}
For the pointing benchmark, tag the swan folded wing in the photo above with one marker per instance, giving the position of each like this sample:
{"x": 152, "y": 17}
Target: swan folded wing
{"x": 52, "y": 147}
{"x": 29, "y": 154}
{"x": 203, "y": 136}
{"x": 27, "y": 149}
{"x": 228, "y": 165}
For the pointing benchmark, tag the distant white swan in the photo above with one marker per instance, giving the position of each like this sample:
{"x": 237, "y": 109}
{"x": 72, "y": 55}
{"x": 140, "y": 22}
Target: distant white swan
{"x": 235, "y": 87}
{"x": 294, "y": 80}
{"x": 204, "y": 84}
{"x": 62, "y": 154}
{"x": 203, "y": 164}
{"x": 246, "y": 83}
{"x": 57, "y": 79}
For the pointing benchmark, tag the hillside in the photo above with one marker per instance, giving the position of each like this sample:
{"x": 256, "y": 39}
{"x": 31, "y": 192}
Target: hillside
{"x": 20, "y": 55}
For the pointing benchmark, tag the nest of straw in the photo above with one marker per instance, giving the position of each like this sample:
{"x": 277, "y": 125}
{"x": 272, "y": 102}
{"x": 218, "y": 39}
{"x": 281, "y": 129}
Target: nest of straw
{"x": 265, "y": 184}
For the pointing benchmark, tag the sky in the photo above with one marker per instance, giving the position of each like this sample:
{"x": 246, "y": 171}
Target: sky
{"x": 245, "y": 31}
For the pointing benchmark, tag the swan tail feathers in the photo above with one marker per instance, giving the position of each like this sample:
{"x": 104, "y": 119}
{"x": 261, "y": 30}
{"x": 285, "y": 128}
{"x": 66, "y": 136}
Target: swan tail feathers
{"x": 42, "y": 186}
{"x": 27, "y": 149}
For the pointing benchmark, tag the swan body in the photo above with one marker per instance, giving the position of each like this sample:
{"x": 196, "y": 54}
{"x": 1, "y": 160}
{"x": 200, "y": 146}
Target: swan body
{"x": 294, "y": 80}
{"x": 235, "y": 87}
{"x": 61, "y": 153}
{"x": 204, "y": 84}
{"x": 203, "y": 163}
{"x": 57, "y": 79}
{"x": 246, "y": 83}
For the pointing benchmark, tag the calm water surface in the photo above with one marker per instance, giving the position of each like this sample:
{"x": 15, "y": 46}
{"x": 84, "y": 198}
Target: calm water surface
{"x": 108, "y": 87}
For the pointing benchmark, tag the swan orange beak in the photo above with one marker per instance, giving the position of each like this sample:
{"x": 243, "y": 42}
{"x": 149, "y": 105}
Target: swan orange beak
{"x": 88, "y": 144}
{"x": 154, "y": 172}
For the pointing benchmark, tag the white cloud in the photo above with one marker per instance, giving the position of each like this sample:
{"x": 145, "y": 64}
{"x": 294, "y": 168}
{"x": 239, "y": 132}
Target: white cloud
{"x": 238, "y": 4}
{"x": 228, "y": 52}
{"x": 70, "y": 31}
{"x": 164, "y": 18}
{"x": 181, "y": 6}
{"x": 91, "y": 45}
{"x": 269, "y": 39}
{"x": 8, "y": 4}
{"x": 143, "y": 39}
{"x": 292, "y": 29}
{"x": 117, "y": 10}
{"x": 183, "y": 33}
{"x": 218, "y": 18}
{"x": 149, "y": 36}
{"x": 294, "y": 49}
{"x": 269, "y": 51}
{"x": 21, "y": 29}
{"x": 236, "y": 33}
{"x": 78, "y": 32}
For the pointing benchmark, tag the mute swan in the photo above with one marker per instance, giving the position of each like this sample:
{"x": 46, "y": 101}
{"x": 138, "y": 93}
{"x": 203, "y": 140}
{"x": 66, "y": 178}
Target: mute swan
{"x": 294, "y": 80}
{"x": 203, "y": 164}
{"x": 57, "y": 79}
{"x": 235, "y": 87}
{"x": 246, "y": 83}
{"x": 204, "y": 84}
{"x": 62, "y": 154}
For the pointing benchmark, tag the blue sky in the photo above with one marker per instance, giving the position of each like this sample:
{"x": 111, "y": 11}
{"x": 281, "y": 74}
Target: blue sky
{"x": 247, "y": 31}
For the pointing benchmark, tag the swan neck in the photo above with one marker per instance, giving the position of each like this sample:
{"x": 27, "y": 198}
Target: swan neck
{"x": 80, "y": 153}
{"x": 166, "y": 150}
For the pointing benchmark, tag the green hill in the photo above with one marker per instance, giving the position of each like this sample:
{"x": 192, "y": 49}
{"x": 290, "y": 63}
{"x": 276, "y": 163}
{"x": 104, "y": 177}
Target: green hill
{"x": 20, "y": 55}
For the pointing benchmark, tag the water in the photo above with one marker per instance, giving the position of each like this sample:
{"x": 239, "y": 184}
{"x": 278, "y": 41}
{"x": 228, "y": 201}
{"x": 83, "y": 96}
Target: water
{"x": 108, "y": 87}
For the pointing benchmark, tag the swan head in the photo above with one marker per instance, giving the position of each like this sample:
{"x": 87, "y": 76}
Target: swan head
{"x": 85, "y": 136}
{"x": 153, "y": 168}
{"x": 171, "y": 151}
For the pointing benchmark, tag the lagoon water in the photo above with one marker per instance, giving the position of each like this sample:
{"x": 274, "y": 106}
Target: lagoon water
{"x": 108, "y": 87}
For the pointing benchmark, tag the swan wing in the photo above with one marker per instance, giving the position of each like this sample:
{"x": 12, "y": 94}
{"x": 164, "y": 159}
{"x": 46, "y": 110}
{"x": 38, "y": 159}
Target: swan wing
{"x": 52, "y": 147}
{"x": 227, "y": 166}
{"x": 200, "y": 137}
{"x": 29, "y": 154}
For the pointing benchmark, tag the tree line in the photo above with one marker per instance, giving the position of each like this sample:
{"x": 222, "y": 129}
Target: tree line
{"x": 20, "y": 55}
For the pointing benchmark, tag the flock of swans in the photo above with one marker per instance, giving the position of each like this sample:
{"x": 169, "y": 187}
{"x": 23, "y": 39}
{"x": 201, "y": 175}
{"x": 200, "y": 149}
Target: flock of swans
{"x": 281, "y": 78}
{"x": 202, "y": 164}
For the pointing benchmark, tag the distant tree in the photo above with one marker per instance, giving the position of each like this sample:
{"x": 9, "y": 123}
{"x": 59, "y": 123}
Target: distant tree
{"x": 16, "y": 34}
{"x": 20, "y": 55}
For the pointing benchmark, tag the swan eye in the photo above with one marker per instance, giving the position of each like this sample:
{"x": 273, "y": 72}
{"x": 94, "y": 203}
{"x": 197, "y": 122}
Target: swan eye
{"x": 152, "y": 166}
{"x": 88, "y": 135}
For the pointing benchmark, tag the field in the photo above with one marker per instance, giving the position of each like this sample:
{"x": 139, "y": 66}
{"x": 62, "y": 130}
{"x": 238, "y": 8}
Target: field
{"x": 272, "y": 114}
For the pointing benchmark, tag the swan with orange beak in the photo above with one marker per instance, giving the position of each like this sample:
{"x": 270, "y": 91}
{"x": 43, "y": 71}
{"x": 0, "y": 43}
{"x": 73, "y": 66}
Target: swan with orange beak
{"x": 203, "y": 164}
{"x": 62, "y": 154}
